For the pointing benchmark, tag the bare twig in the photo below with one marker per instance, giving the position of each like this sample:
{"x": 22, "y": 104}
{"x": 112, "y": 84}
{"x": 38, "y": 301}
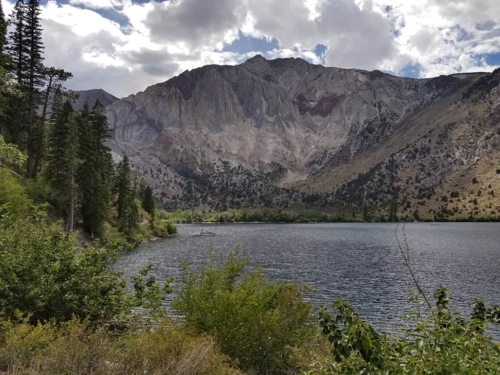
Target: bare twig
{"x": 11, "y": 171}
{"x": 406, "y": 258}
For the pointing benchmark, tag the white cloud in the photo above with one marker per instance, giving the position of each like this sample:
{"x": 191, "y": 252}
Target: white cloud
{"x": 443, "y": 36}
{"x": 165, "y": 38}
{"x": 96, "y": 4}
{"x": 7, "y": 7}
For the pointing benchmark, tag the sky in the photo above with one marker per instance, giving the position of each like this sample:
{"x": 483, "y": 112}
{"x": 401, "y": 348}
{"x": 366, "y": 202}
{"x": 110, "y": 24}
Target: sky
{"x": 124, "y": 46}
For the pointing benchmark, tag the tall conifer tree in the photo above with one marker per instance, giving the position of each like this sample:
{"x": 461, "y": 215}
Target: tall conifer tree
{"x": 4, "y": 76}
{"x": 3, "y": 36}
{"x": 64, "y": 159}
{"x": 95, "y": 170}
{"x": 16, "y": 49}
{"x": 54, "y": 81}
{"x": 126, "y": 207}
{"x": 147, "y": 200}
{"x": 34, "y": 81}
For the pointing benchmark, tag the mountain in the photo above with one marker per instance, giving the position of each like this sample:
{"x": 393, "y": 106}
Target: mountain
{"x": 270, "y": 132}
{"x": 91, "y": 96}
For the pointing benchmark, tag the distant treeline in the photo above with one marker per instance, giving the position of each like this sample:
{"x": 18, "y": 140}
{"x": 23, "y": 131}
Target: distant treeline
{"x": 296, "y": 215}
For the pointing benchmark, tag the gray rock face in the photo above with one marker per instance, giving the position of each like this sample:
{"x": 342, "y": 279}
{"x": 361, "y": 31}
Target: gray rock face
{"x": 283, "y": 111}
{"x": 91, "y": 96}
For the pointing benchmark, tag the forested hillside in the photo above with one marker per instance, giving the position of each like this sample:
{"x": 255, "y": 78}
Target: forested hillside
{"x": 63, "y": 161}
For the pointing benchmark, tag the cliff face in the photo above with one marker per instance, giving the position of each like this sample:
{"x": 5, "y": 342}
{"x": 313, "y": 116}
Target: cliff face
{"x": 312, "y": 127}
{"x": 283, "y": 111}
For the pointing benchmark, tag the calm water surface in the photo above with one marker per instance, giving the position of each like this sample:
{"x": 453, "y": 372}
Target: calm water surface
{"x": 358, "y": 262}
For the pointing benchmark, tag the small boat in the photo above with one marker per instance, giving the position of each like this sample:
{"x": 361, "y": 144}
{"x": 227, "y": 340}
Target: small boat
{"x": 206, "y": 233}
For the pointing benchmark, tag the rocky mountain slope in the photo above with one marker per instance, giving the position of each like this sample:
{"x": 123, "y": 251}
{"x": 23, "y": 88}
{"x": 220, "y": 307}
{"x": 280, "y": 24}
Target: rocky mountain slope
{"x": 91, "y": 96}
{"x": 306, "y": 127}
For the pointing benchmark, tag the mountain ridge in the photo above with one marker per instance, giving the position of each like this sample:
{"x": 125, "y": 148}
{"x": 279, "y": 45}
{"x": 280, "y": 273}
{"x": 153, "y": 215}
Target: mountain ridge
{"x": 296, "y": 121}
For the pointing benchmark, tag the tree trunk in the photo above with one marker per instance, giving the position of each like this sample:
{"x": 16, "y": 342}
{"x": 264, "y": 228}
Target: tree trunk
{"x": 38, "y": 157}
{"x": 71, "y": 219}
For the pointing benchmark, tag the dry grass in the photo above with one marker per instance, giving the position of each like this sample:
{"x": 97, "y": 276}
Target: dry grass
{"x": 76, "y": 349}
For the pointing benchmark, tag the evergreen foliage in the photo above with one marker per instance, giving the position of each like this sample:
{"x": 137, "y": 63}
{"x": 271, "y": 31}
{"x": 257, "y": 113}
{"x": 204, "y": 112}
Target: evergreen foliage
{"x": 148, "y": 202}
{"x": 16, "y": 48}
{"x": 34, "y": 82}
{"x": 3, "y": 37}
{"x": 125, "y": 203}
{"x": 16, "y": 128}
{"x": 63, "y": 159}
{"x": 95, "y": 169}
{"x": 54, "y": 79}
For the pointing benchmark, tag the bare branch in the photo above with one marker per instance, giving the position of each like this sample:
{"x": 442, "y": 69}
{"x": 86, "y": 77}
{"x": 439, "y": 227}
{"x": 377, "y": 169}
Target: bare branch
{"x": 406, "y": 258}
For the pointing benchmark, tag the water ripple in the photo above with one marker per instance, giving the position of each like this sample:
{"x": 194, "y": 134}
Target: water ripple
{"x": 358, "y": 262}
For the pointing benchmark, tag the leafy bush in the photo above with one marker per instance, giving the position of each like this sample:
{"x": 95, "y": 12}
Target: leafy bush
{"x": 39, "y": 190}
{"x": 162, "y": 228}
{"x": 171, "y": 228}
{"x": 442, "y": 343}
{"x": 44, "y": 273}
{"x": 253, "y": 320}
{"x": 47, "y": 276}
{"x": 13, "y": 194}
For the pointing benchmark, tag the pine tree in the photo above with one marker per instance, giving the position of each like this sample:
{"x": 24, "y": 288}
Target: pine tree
{"x": 63, "y": 159}
{"x": 57, "y": 103}
{"x": 16, "y": 47}
{"x": 54, "y": 79}
{"x": 126, "y": 207}
{"x": 25, "y": 49}
{"x": 34, "y": 81}
{"x": 3, "y": 35}
{"x": 147, "y": 200}
{"x": 95, "y": 170}
{"x": 15, "y": 129}
{"x": 5, "y": 85}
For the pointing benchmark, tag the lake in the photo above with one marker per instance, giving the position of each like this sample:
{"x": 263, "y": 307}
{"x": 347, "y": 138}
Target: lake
{"x": 357, "y": 262}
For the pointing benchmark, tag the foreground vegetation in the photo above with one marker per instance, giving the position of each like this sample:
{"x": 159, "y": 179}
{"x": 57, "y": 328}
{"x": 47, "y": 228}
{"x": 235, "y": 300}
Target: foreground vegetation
{"x": 63, "y": 312}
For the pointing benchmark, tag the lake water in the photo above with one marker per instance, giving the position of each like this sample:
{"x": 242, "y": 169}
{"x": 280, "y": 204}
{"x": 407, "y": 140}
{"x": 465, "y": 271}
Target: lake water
{"x": 358, "y": 262}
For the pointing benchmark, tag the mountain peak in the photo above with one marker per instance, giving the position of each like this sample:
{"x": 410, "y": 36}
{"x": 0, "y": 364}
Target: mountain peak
{"x": 91, "y": 96}
{"x": 258, "y": 62}
{"x": 256, "y": 58}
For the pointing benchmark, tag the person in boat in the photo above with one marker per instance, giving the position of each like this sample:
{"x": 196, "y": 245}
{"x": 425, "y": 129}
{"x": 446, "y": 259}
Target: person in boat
{"x": 202, "y": 232}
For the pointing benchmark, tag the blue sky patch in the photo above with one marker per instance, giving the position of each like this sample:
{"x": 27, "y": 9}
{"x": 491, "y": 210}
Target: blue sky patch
{"x": 411, "y": 71}
{"x": 492, "y": 59}
{"x": 320, "y": 51}
{"x": 245, "y": 44}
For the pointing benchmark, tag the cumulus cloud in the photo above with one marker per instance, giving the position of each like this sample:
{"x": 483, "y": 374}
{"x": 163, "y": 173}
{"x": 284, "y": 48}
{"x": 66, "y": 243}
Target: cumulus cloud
{"x": 124, "y": 45}
{"x": 443, "y": 37}
{"x": 195, "y": 23}
{"x": 96, "y": 4}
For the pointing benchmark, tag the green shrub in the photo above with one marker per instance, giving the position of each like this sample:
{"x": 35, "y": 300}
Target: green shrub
{"x": 44, "y": 273}
{"x": 171, "y": 228}
{"x": 162, "y": 228}
{"x": 442, "y": 343}
{"x": 13, "y": 194}
{"x": 254, "y": 321}
{"x": 39, "y": 190}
